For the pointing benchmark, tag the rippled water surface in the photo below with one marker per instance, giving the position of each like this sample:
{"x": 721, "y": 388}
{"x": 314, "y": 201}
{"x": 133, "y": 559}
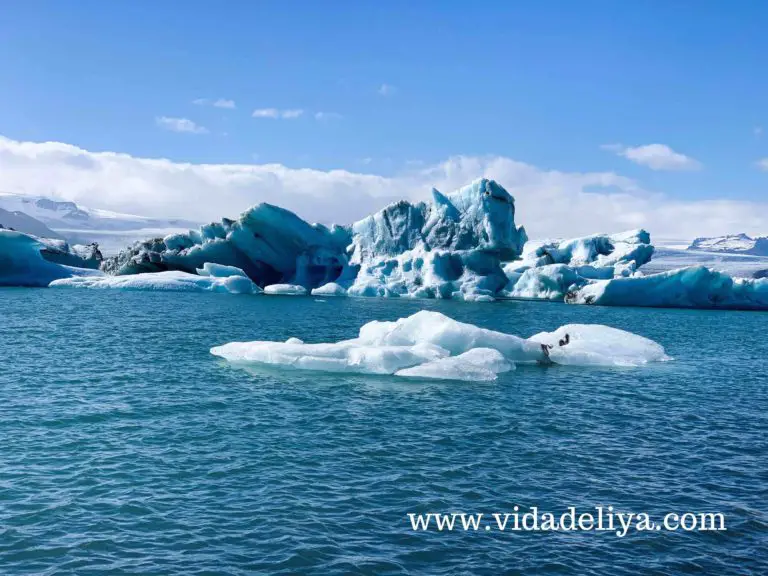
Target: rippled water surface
{"x": 125, "y": 447}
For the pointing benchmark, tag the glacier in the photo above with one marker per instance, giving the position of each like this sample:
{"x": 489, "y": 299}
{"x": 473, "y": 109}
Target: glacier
{"x": 733, "y": 244}
{"x": 429, "y": 344}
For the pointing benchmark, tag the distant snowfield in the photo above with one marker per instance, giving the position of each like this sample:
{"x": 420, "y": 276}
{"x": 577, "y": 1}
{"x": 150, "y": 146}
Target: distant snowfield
{"x": 112, "y": 241}
{"x": 738, "y": 265}
{"x": 81, "y": 225}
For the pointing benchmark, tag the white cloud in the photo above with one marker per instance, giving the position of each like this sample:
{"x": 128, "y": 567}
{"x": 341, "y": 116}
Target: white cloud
{"x": 219, "y": 103}
{"x": 180, "y": 125}
{"x": 549, "y": 203}
{"x": 327, "y": 116}
{"x": 288, "y": 114}
{"x": 295, "y": 113}
{"x": 655, "y": 156}
{"x": 387, "y": 90}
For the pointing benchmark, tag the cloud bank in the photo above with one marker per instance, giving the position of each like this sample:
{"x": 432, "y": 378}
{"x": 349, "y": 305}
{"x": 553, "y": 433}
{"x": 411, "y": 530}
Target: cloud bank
{"x": 549, "y": 202}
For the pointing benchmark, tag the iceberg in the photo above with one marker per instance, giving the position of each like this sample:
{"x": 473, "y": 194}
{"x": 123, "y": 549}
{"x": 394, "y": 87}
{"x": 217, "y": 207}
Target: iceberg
{"x": 451, "y": 247}
{"x": 26, "y": 260}
{"x": 270, "y": 244}
{"x": 600, "y": 250}
{"x": 691, "y": 287}
{"x": 169, "y": 281}
{"x": 429, "y": 344}
{"x": 330, "y": 289}
{"x": 285, "y": 290}
{"x": 550, "y": 270}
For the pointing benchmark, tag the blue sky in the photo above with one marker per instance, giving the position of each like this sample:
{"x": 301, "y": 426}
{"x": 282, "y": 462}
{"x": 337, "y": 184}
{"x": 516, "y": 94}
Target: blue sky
{"x": 547, "y": 83}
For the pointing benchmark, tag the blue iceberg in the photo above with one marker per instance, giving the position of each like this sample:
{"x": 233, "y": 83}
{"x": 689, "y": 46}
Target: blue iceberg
{"x": 27, "y": 260}
{"x": 692, "y": 287}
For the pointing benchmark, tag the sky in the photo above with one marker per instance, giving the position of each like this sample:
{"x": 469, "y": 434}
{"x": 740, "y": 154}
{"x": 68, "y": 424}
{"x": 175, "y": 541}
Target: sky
{"x": 595, "y": 115}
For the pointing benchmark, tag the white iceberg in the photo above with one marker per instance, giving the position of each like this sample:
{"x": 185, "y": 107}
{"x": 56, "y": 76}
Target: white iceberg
{"x": 330, "y": 289}
{"x": 211, "y": 279}
{"x": 431, "y": 345}
{"x": 692, "y": 287}
{"x": 285, "y": 290}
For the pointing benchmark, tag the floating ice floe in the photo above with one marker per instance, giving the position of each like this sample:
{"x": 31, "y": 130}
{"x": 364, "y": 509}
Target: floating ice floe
{"x": 210, "y": 278}
{"x": 330, "y": 289}
{"x": 431, "y": 345}
{"x": 286, "y": 290}
{"x": 693, "y": 287}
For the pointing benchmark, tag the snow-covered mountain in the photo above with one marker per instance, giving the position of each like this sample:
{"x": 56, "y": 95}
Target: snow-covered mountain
{"x": 733, "y": 244}
{"x": 82, "y": 225}
{"x": 64, "y": 215}
{"x": 23, "y": 223}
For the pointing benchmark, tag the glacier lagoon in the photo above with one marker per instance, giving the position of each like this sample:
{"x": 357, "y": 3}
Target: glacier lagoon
{"x": 128, "y": 447}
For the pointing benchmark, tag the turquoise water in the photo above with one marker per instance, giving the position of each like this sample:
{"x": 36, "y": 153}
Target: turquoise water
{"x": 127, "y": 448}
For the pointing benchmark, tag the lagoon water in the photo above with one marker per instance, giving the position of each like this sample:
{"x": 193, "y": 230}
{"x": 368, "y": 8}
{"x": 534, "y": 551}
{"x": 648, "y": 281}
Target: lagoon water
{"x": 126, "y": 448}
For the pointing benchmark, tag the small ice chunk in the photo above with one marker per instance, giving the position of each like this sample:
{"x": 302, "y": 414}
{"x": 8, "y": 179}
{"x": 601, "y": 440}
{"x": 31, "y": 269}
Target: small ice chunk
{"x": 285, "y": 290}
{"x": 330, "y": 289}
